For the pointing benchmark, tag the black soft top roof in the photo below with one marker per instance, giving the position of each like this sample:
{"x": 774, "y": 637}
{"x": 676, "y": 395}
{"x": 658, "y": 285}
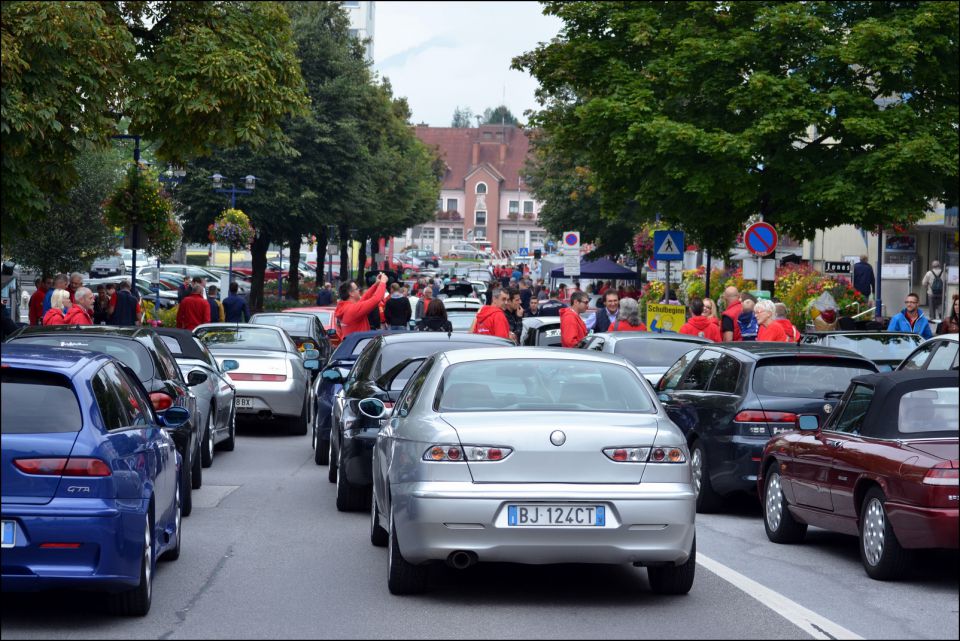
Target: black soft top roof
{"x": 889, "y": 387}
{"x": 188, "y": 346}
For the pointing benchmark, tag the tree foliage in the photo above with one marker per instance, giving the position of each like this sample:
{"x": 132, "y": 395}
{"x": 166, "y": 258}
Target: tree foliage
{"x": 499, "y": 115}
{"x": 813, "y": 114}
{"x": 462, "y": 117}
{"x": 188, "y": 75}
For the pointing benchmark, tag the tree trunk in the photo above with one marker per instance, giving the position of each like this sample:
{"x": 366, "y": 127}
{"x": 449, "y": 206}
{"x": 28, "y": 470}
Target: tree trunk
{"x": 362, "y": 259}
{"x": 322, "y": 242}
{"x": 293, "y": 286}
{"x": 344, "y": 259}
{"x": 258, "y": 254}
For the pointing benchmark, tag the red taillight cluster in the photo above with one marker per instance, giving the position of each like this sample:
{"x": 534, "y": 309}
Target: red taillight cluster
{"x": 161, "y": 401}
{"x": 945, "y": 473}
{"x": 61, "y": 466}
{"x": 271, "y": 378}
{"x": 764, "y": 423}
{"x": 632, "y": 454}
{"x": 475, "y": 453}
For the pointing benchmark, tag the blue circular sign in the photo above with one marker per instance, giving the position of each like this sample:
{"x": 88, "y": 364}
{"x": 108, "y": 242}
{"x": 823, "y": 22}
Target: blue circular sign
{"x": 571, "y": 239}
{"x": 761, "y": 239}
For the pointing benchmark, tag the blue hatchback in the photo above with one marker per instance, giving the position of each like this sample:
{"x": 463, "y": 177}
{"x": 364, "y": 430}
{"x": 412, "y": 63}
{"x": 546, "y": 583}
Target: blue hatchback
{"x": 91, "y": 494}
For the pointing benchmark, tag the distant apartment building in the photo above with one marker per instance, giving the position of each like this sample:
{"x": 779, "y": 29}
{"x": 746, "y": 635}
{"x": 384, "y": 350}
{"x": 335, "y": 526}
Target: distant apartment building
{"x": 362, "y": 21}
{"x": 483, "y": 196}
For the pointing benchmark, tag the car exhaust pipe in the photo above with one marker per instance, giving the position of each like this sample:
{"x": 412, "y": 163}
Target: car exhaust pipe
{"x": 461, "y": 559}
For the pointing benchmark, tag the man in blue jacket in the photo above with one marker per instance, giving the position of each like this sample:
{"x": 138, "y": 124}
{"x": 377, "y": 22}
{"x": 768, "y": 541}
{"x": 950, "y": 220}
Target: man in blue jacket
{"x": 911, "y": 319}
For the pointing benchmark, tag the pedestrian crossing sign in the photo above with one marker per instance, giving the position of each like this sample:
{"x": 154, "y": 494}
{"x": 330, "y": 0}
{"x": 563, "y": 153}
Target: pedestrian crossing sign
{"x": 668, "y": 245}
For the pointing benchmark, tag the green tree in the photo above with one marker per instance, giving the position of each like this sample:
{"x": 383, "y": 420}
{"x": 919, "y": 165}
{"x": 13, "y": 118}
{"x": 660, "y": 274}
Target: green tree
{"x": 188, "y": 75}
{"x": 75, "y": 232}
{"x": 813, "y": 114}
{"x": 499, "y": 115}
{"x": 462, "y": 118}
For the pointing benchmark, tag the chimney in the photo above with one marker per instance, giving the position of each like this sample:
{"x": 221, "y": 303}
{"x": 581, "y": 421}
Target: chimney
{"x": 503, "y": 152}
{"x": 476, "y": 154}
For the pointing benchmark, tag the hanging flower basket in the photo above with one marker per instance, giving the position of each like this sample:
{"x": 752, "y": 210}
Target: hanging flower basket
{"x": 232, "y": 228}
{"x": 140, "y": 200}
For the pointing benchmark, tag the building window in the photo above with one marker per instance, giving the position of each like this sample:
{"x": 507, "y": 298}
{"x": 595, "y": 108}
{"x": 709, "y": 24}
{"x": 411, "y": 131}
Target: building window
{"x": 354, "y": 33}
{"x": 481, "y": 217}
{"x": 514, "y": 207}
{"x": 481, "y": 188}
{"x": 528, "y": 207}
{"x": 452, "y": 204}
{"x": 428, "y": 233}
{"x": 480, "y": 233}
{"x": 439, "y": 204}
{"x": 351, "y": 4}
{"x": 487, "y": 135}
{"x": 538, "y": 238}
{"x": 451, "y": 233}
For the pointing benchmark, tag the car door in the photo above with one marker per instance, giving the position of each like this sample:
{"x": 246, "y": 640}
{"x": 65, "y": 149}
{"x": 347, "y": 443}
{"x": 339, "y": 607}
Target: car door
{"x": 667, "y": 390}
{"x": 692, "y": 397}
{"x": 945, "y": 358}
{"x": 850, "y": 443}
{"x": 918, "y": 359}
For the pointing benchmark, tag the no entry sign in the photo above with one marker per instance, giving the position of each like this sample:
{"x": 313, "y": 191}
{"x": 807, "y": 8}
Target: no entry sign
{"x": 761, "y": 239}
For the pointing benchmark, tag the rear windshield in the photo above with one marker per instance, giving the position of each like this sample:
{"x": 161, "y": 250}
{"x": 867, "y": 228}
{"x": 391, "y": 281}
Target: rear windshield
{"x": 878, "y": 347}
{"x": 393, "y": 354}
{"x": 347, "y": 351}
{"x": 544, "y": 385}
{"x": 804, "y": 378}
{"x": 930, "y": 410}
{"x": 37, "y": 403}
{"x": 647, "y": 352}
{"x": 129, "y": 352}
{"x": 461, "y": 322}
{"x": 293, "y": 323}
{"x": 241, "y": 338}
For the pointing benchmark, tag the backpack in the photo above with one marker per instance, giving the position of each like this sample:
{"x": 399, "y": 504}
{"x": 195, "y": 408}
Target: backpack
{"x": 937, "y": 286}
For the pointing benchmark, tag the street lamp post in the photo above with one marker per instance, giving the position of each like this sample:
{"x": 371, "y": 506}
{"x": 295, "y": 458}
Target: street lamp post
{"x": 519, "y": 211}
{"x": 173, "y": 176}
{"x": 331, "y": 230}
{"x": 249, "y": 183}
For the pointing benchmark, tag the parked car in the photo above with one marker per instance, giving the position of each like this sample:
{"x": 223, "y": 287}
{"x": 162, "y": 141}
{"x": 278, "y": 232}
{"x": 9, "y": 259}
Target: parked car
{"x": 108, "y": 266}
{"x": 938, "y": 353}
{"x": 380, "y": 372}
{"x": 168, "y": 296}
{"x": 327, "y": 393}
{"x": 425, "y": 257}
{"x": 271, "y": 373}
{"x": 883, "y": 467}
{"x": 463, "y": 289}
{"x": 142, "y": 350}
{"x": 464, "y": 250}
{"x": 527, "y": 456}
{"x": 652, "y": 352}
{"x": 83, "y": 417}
{"x": 214, "y": 390}
{"x": 242, "y": 280}
{"x": 461, "y": 321}
{"x": 245, "y": 267}
{"x": 729, "y": 398}
{"x": 325, "y": 314}
{"x": 304, "y": 328}
{"x": 540, "y": 331}
{"x": 459, "y": 304}
{"x": 885, "y": 349}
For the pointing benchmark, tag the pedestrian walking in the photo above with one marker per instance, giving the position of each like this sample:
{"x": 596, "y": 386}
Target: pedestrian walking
{"x": 789, "y": 329}
{"x": 397, "y": 308}
{"x": 125, "y": 308}
{"x": 193, "y": 310}
{"x": 628, "y": 318}
{"x": 526, "y": 294}
{"x": 435, "y": 319}
{"x": 59, "y": 305}
{"x": 911, "y": 318}
{"x": 353, "y": 310}
{"x": 81, "y": 313}
{"x": 424, "y": 302}
{"x": 325, "y": 296}
{"x": 951, "y": 324}
{"x": 933, "y": 281}
{"x": 572, "y": 327}
{"x": 746, "y": 320}
{"x": 768, "y": 330}
{"x": 217, "y": 312}
{"x": 490, "y": 320}
{"x": 553, "y": 305}
{"x": 60, "y": 282}
{"x": 607, "y": 315}
{"x": 699, "y": 324}
{"x": 728, "y": 322}
{"x": 35, "y": 306}
{"x": 514, "y": 312}
{"x": 863, "y": 278}
{"x": 235, "y": 307}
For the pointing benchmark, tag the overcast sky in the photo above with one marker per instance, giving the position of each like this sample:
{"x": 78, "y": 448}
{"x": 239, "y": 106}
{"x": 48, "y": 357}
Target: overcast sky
{"x": 444, "y": 54}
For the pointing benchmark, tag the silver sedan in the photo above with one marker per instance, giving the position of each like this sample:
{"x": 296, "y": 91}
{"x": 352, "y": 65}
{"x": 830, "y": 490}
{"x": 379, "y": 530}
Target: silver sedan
{"x": 271, "y": 376}
{"x": 531, "y": 456}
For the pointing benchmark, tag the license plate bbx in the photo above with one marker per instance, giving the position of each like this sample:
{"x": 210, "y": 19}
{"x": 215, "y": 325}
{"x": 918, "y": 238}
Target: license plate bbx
{"x": 556, "y": 515}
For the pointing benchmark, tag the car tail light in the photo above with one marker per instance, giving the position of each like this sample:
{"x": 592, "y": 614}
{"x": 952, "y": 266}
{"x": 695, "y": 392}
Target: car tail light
{"x": 763, "y": 423}
{"x": 942, "y": 474}
{"x": 272, "y": 378}
{"x": 161, "y": 401}
{"x": 73, "y": 466}
{"x": 632, "y": 454}
{"x": 475, "y": 453}
{"x": 59, "y": 546}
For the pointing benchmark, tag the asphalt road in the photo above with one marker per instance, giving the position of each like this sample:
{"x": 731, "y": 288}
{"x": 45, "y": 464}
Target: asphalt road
{"x": 267, "y": 555}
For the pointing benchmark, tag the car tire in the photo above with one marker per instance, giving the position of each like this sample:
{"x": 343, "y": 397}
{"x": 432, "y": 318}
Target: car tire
{"x": 228, "y": 444}
{"x": 379, "y": 537}
{"x": 453, "y": 256}
{"x": 674, "y": 579}
{"x": 781, "y": 526}
{"x": 298, "y": 425}
{"x": 186, "y": 483}
{"x": 321, "y": 455}
{"x": 331, "y": 461}
{"x": 196, "y": 471}
{"x": 403, "y": 577}
{"x": 883, "y": 557}
{"x": 350, "y": 498}
{"x": 206, "y": 446}
{"x": 707, "y": 499}
{"x": 136, "y": 602}
{"x": 174, "y": 553}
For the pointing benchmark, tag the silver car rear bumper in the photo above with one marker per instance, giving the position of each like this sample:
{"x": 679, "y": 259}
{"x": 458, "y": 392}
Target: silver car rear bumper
{"x": 280, "y": 398}
{"x": 647, "y": 523}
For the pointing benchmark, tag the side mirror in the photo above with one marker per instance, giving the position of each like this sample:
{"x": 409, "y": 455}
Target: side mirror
{"x": 311, "y": 354}
{"x": 174, "y": 417}
{"x": 808, "y": 422}
{"x": 308, "y": 346}
{"x": 663, "y": 398}
{"x": 196, "y": 377}
{"x": 332, "y": 375}
{"x": 229, "y": 365}
{"x": 312, "y": 363}
{"x": 372, "y": 408}
{"x": 331, "y": 332}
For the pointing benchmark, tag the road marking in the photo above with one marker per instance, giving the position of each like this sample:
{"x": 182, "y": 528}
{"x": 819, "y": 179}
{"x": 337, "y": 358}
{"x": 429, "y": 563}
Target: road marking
{"x": 817, "y": 626}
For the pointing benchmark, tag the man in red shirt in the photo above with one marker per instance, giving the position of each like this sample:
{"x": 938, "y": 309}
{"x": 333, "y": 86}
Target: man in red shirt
{"x": 791, "y": 331}
{"x": 36, "y": 300}
{"x": 81, "y": 313}
{"x": 193, "y": 309}
{"x": 353, "y": 309}
{"x": 698, "y": 324}
{"x": 730, "y": 329}
{"x": 572, "y": 327}
{"x": 767, "y": 328}
{"x": 491, "y": 320}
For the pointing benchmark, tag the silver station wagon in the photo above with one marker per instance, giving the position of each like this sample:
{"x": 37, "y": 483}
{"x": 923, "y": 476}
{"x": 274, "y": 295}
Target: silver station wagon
{"x": 531, "y": 456}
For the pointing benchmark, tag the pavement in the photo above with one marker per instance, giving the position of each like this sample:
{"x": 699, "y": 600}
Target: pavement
{"x": 267, "y": 555}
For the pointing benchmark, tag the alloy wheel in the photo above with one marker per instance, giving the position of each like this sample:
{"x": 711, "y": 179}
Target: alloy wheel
{"x": 774, "y": 502}
{"x": 874, "y": 526}
{"x": 696, "y": 469}
{"x": 148, "y": 558}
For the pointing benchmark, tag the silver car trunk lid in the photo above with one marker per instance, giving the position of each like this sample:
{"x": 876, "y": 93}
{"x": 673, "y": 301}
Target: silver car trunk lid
{"x": 537, "y": 459}
{"x": 254, "y": 362}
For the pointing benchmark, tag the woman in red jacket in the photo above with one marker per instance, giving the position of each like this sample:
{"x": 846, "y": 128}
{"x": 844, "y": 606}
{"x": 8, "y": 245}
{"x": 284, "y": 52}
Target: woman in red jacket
{"x": 628, "y": 320}
{"x": 59, "y": 301}
{"x": 700, "y": 324}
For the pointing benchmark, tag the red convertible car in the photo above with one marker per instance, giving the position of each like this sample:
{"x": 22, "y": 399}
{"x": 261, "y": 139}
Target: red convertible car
{"x": 883, "y": 467}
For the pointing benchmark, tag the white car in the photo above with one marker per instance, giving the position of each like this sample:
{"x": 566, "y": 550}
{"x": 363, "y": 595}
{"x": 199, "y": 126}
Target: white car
{"x": 464, "y": 250}
{"x": 938, "y": 353}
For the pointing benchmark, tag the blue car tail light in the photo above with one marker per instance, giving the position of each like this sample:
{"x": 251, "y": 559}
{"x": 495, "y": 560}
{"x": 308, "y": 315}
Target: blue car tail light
{"x": 60, "y": 466}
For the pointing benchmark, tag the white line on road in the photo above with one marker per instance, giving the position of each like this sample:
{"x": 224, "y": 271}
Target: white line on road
{"x": 807, "y": 620}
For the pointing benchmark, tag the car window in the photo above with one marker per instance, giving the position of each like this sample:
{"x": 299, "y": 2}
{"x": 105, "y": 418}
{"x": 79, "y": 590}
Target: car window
{"x": 919, "y": 357}
{"x": 929, "y": 410}
{"x": 129, "y": 352}
{"x": 258, "y": 338}
{"x": 726, "y": 377}
{"x": 698, "y": 376}
{"x": 671, "y": 379}
{"x": 112, "y": 399}
{"x": 413, "y": 388}
{"x": 207, "y": 356}
{"x": 35, "y": 402}
{"x": 850, "y": 419}
{"x": 650, "y": 352}
{"x": 804, "y": 377}
{"x": 298, "y": 324}
{"x": 135, "y": 406}
{"x": 363, "y": 367}
{"x": 393, "y": 354}
{"x": 945, "y": 357}
{"x": 877, "y": 347}
{"x": 167, "y": 361}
